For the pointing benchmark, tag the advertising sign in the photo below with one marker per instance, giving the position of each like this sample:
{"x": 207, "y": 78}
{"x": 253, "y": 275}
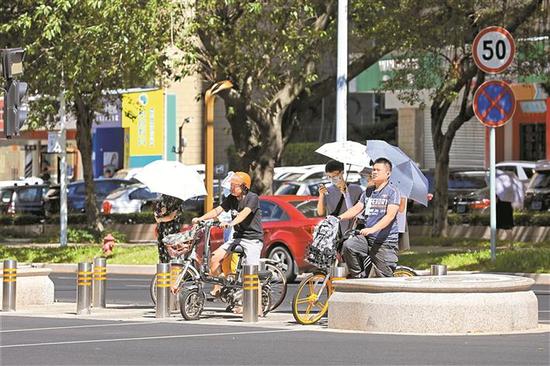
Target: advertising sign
{"x": 143, "y": 116}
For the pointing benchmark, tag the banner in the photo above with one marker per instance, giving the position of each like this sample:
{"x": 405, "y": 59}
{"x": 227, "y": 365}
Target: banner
{"x": 143, "y": 116}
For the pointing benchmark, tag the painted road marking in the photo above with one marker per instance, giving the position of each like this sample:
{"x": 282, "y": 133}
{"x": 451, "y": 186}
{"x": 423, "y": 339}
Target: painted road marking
{"x": 102, "y": 340}
{"x": 77, "y": 326}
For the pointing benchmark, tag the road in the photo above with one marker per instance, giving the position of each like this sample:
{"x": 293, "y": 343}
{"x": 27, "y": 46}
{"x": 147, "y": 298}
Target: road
{"x": 26, "y": 340}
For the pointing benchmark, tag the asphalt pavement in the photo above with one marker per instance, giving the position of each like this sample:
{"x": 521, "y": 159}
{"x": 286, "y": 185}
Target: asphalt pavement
{"x": 127, "y": 333}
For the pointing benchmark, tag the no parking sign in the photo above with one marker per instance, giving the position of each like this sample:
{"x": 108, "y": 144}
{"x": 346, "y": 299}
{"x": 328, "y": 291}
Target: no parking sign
{"x": 494, "y": 103}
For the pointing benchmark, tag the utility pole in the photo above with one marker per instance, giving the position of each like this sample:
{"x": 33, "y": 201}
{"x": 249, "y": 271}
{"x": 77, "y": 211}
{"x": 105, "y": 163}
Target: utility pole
{"x": 63, "y": 170}
{"x": 342, "y": 73}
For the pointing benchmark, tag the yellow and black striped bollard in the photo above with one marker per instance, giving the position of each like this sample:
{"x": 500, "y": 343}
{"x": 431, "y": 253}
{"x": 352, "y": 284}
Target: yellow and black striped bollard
{"x": 100, "y": 282}
{"x": 84, "y": 288}
{"x": 251, "y": 289}
{"x": 9, "y": 287}
{"x": 163, "y": 290}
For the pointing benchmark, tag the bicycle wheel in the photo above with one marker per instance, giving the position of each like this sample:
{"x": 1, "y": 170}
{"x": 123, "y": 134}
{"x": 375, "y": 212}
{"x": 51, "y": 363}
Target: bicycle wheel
{"x": 310, "y": 303}
{"x": 404, "y": 272}
{"x": 276, "y": 284}
{"x": 153, "y": 286}
{"x": 153, "y": 289}
{"x": 191, "y": 303}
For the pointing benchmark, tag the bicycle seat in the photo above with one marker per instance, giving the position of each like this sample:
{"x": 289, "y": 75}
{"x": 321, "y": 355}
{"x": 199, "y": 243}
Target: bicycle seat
{"x": 238, "y": 248}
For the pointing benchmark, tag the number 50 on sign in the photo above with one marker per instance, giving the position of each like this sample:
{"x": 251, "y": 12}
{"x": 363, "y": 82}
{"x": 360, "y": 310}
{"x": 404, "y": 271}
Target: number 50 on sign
{"x": 493, "y": 49}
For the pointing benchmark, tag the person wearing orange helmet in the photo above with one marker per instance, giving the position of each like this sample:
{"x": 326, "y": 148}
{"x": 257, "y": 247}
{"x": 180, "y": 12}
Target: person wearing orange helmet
{"x": 245, "y": 211}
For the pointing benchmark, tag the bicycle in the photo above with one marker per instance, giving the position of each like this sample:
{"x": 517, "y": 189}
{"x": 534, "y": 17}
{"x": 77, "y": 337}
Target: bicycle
{"x": 315, "y": 290}
{"x": 193, "y": 276}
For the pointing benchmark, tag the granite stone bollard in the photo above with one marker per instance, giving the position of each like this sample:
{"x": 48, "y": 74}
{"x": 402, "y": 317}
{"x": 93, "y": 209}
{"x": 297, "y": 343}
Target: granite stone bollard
{"x": 477, "y": 303}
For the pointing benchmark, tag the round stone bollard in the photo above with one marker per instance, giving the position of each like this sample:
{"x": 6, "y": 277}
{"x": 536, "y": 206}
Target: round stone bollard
{"x": 453, "y": 304}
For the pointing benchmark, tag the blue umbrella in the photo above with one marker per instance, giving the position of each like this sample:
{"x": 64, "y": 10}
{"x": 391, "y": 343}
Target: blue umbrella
{"x": 405, "y": 176}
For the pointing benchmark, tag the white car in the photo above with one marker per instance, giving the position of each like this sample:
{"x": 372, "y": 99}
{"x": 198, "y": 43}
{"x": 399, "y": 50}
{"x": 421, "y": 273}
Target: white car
{"x": 523, "y": 169}
{"x": 129, "y": 199}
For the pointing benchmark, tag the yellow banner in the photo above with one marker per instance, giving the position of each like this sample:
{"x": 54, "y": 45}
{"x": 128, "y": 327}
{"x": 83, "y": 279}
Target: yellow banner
{"x": 143, "y": 115}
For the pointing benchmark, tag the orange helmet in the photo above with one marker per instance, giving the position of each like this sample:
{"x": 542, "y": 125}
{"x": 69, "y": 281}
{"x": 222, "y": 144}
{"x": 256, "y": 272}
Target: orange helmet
{"x": 245, "y": 177}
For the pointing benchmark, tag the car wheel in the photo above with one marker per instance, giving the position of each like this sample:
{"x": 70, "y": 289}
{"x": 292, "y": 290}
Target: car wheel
{"x": 285, "y": 261}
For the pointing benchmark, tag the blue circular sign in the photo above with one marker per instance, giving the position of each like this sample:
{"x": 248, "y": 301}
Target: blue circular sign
{"x": 494, "y": 103}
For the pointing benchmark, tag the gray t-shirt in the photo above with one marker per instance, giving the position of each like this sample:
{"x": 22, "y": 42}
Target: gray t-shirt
{"x": 376, "y": 207}
{"x": 251, "y": 227}
{"x": 353, "y": 194}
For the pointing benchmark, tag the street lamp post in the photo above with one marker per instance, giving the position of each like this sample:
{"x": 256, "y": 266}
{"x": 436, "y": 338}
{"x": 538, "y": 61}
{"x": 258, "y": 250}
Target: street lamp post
{"x": 209, "y": 100}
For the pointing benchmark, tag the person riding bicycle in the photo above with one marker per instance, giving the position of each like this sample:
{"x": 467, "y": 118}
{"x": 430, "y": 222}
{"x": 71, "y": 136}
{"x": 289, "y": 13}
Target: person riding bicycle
{"x": 377, "y": 243}
{"x": 245, "y": 209}
{"x": 339, "y": 196}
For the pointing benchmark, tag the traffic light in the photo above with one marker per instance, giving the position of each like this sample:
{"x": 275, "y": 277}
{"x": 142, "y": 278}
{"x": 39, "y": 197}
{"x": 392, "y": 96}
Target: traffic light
{"x": 15, "y": 111}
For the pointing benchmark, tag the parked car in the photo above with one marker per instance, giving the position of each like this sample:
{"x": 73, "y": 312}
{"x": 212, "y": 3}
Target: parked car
{"x": 475, "y": 202}
{"x": 524, "y": 170}
{"x": 76, "y": 194}
{"x": 537, "y": 196}
{"x": 304, "y": 188}
{"x": 23, "y": 199}
{"x": 129, "y": 199}
{"x": 462, "y": 182}
{"x": 288, "y": 223}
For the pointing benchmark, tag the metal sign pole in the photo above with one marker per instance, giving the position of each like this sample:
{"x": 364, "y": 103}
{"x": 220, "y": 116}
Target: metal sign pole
{"x": 63, "y": 170}
{"x": 492, "y": 198}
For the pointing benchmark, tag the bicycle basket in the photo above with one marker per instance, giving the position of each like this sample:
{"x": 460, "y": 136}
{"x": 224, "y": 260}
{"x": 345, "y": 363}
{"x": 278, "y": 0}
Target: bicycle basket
{"x": 322, "y": 251}
{"x": 179, "y": 244}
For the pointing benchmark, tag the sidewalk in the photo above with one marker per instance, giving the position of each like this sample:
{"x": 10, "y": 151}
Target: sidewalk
{"x": 540, "y": 278}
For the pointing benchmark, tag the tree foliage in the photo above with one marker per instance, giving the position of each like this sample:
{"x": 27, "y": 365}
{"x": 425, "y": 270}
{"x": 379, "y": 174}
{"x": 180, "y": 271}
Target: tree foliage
{"x": 438, "y": 61}
{"x": 86, "y": 48}
{"x": 280, "y": 55}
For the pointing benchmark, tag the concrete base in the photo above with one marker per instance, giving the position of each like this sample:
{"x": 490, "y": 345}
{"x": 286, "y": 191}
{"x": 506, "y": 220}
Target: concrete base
{"x": 34, "y": 287}
{"x": 366, "y": 306}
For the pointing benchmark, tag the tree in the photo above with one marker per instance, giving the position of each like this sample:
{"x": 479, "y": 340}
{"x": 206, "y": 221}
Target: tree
{"x": 280, "y": 56}
{"x": 439, "y": 60}
{"x": 86, "y": 47}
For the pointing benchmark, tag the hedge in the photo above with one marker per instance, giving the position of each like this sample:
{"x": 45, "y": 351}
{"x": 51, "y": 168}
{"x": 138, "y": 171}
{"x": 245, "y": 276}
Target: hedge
{"x": 80, "y": 219}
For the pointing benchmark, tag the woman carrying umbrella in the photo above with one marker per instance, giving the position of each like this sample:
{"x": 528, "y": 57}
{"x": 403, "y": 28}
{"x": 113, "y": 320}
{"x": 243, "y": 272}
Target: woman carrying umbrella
{"x": 169, "y": 218}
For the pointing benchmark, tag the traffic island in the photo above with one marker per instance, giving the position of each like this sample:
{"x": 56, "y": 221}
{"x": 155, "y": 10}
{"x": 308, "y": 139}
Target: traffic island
{"x": 455, "y": 304}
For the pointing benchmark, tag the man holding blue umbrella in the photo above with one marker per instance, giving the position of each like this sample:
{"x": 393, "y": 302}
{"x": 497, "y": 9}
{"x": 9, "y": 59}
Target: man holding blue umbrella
{"x": 378, "y": 242}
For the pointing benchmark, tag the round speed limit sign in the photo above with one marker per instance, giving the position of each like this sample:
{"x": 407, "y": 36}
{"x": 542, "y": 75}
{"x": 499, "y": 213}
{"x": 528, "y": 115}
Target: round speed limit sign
{"x": 493, "y": 49}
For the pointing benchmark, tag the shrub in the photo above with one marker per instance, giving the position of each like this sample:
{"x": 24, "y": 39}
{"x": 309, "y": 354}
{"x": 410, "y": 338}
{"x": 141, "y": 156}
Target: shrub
{"x": 27, "y": 220}
{"x": 82, "y": 236}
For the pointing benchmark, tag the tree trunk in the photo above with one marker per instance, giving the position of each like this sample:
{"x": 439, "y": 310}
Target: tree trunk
{"x": 441, "y": 195}
{"x": 84, "y": 119}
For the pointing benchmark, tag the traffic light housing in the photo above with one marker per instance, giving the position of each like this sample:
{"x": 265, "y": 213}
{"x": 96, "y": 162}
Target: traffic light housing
{"x": 15, "y": 111}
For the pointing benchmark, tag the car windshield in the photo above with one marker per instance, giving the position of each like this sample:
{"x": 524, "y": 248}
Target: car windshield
{"x": 307, "y": 208}
{"x": 541, "y": 180}
{"x": 467, "y": 181}
{"x": 288, "y": 188}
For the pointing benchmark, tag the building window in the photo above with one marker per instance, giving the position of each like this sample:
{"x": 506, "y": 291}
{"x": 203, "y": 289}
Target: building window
{"x": 532, "y": 141}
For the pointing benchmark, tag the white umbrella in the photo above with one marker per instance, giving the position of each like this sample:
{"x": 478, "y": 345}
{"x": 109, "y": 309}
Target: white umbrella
{"x": 172, "y": 178}
{"x": 347, "y": 152}
{"x": 509, "y": 188}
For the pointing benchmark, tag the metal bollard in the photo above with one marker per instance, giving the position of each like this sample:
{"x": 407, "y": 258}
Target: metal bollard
{"x": 84, "y": 288}
{"x": 100, "y": 282}
{"x": 251, "y": 289}
{"x": 438, "y": 270}
{"x": 176, "y": 266}
{"x": 9, "y": 285}
{"x": 337, "y": 273}
{"x": 163, "y": 290}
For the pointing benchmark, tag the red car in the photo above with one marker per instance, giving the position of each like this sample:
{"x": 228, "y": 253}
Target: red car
{"x": 288, "y": 223}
